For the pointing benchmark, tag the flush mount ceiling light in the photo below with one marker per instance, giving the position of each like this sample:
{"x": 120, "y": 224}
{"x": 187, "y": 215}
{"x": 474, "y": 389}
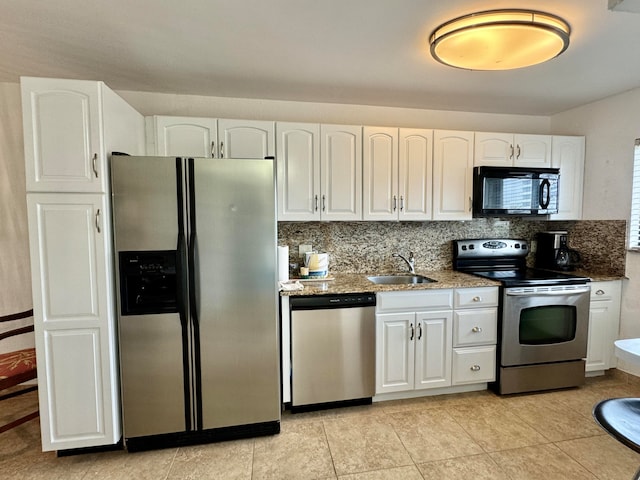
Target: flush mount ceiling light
{"x": 500, "y": 39}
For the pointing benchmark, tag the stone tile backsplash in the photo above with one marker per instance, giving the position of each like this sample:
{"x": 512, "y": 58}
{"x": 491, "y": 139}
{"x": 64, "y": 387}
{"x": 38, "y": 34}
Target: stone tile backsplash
{"x": 366, "y": 247}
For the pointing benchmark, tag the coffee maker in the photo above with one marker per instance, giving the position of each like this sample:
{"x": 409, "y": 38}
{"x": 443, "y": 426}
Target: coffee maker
{"x": 554, "y": 254}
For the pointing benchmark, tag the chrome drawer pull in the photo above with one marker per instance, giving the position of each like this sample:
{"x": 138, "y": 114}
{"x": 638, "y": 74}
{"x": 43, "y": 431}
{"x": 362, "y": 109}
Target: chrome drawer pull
{"x": 599, "y": 292}
{"x": 476, "y": 329}
{"x": 477, "y": 299}
{"x": 475, "y": 368}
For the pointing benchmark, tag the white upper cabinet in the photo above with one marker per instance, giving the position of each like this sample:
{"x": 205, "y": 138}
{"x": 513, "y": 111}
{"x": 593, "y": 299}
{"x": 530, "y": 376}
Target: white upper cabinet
{"x": 184, "y": 136}
{"x": 245, "y": 139}
{"x": 298, "y": 154}
{"x": 341, "y": 172}
{"x": 452, "y": 174}
{"x": 397, "y": 173}
{"x": 70, "y": 127}
{"x": 415, "y": 174}
{"x": 210, "y": 137}
{"x": 568, "y": 156}
{"x": 380, "y": 197}
{"x": 512, "y": 150}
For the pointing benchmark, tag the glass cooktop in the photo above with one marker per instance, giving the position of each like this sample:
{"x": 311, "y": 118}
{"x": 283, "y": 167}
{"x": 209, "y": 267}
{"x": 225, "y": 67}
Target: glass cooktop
{"x": 531, "y": 276}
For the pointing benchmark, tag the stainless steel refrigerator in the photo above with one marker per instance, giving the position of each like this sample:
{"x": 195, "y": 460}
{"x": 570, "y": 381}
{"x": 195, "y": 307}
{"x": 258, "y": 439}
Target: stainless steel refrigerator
{"x": 195, "y": 243}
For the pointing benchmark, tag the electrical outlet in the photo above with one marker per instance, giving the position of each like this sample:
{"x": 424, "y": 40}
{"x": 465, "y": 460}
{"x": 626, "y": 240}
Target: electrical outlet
{"x": 302, "y": 249}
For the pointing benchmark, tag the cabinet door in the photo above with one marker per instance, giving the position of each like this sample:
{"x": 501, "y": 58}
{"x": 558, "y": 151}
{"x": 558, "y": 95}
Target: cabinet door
{"x": 532, "y": 151}
{"x": 452, "y": 175}
{"x": 567, "y": 154}
{"x": 246, "y": 139}
{"x": 74, "y": 320}
{"x": 185, "y": 136}
{"x": 433, "y": 349}
{"x": 380, "y": 173}
{"x": 494, "y": 149}
{"x": 341, "y": 172}
{"x": 394, "y": 352}
{"x": 604, "y": 322}
{"x": 415, "y": 164}
{"x": 62, "y": 131}
{"x": 298, "y": 148}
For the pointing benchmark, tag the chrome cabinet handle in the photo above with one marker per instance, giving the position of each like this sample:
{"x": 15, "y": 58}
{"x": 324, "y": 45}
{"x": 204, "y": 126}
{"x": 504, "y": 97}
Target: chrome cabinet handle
{"x": 599, "y": 292}
{"x": 419, "y": 331}
{"x": 475, "y": 368}
{"x": 324, "y": 203}
{"x": 470, "y": 203}
{"x": 213, "y": 149}
{"x": 476, "y": 329}
{"x": 221, "y": 149}
{"x": 477, "y": 299}
{"x": 511, "y": 154}
{"x": 518, "y": 152}
{"x": 412, "y": 332}
{"x": 395, "y": 203}
{"x": 94, "y": 164}
{"x": 98, "y": 220}
{"x": 401, "y": 203}
{"x": 315, "y": 197}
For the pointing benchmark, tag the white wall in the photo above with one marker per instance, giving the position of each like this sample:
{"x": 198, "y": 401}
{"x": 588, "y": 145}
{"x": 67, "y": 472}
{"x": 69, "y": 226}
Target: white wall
{"x": 221, "y": 107}
{"x": 611, "y": 127}
{"x": 15, "y": 283}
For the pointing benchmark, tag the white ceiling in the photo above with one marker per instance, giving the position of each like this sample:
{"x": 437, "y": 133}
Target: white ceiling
{"x": 371, "y": 52}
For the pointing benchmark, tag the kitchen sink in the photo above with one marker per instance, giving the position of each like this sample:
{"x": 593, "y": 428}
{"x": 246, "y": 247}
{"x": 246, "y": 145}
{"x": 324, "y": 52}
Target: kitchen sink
{"x": 400, "y": 279}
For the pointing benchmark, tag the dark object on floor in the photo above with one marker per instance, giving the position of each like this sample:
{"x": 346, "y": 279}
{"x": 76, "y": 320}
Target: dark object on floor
{"x": 620, "y": 418}
{"x": 16, "y": 368}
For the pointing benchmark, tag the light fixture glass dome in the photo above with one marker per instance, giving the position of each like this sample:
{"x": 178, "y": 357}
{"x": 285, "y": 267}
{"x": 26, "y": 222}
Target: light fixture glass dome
{"x": 500, "y": 39}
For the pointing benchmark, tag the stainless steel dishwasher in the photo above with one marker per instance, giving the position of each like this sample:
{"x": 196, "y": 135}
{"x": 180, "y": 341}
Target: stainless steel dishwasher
{"x": 332, "y": 349}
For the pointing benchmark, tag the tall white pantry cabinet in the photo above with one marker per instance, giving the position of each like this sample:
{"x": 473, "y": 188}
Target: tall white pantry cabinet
{"x": 70, "y": 129}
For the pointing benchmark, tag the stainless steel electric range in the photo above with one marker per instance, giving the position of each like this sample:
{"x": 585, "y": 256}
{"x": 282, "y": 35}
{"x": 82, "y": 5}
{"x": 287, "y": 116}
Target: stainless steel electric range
{"x": 544, "y": 316}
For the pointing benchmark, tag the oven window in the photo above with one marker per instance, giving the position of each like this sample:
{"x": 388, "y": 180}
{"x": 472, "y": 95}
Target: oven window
{"x": 547, "y": 324}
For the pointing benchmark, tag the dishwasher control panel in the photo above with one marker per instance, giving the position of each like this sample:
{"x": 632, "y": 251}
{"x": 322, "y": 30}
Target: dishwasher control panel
{"x": 346, "y": 300}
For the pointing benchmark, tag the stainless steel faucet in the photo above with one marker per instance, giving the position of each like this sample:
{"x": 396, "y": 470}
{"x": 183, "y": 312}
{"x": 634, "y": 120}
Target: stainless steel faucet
{"x": 411, "y": 262}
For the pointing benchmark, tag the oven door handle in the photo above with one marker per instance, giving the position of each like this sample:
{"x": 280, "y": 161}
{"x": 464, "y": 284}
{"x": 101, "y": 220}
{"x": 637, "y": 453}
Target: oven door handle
{"x": 577, "y": 291}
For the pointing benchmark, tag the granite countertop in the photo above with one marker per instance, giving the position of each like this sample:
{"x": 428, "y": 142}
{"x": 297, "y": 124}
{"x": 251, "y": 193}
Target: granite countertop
{"x": 358, "y": 282}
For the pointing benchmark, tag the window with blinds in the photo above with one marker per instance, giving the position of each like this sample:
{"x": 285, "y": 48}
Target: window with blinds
{"x": 634, "y": 222}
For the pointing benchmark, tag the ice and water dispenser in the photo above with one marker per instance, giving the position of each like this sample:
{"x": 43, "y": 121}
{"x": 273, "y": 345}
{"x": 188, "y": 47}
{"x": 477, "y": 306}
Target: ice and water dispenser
{"x": 148, "y": 282}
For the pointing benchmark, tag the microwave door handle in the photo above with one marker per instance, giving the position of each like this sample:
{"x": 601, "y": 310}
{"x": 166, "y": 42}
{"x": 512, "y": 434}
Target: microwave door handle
{"x": 545, "y": 187}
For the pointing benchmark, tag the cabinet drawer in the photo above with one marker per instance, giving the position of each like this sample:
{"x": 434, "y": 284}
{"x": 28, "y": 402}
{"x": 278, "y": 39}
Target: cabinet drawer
{"x": 476, "y": 297}
{"x": 475, "y": 327}
{"x": 474, "y": 365}
{"x": 605, "y": 290}
{"x": 414, "y": 301}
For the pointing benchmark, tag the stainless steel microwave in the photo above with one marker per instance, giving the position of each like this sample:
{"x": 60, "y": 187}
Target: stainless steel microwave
{"x": 500, "y": 191}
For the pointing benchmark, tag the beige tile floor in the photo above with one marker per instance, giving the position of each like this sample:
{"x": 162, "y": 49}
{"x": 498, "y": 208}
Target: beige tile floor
{"x": 464, "y": 436}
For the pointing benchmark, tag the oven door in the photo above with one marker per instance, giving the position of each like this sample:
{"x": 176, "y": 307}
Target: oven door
{"x": 544, "y": 324}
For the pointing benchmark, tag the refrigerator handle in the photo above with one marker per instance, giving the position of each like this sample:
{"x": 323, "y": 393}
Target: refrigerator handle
{"x": 194, "y": 291}
{"x": 183, "y": 309}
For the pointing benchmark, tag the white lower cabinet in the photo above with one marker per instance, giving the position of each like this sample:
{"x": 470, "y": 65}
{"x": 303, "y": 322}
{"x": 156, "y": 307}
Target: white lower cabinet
{"x": 475, "y": 334}
{"x": 413, "y": 340}
{"x": 435, "y": 338}
{"x": 604, "y": 322}
{"x": 70, "y": 245}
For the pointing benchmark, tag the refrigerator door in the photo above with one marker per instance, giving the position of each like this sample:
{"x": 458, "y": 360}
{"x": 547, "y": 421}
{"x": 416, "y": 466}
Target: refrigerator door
{"x": 145, "y": 209}
{"x": 235, "y": 285}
